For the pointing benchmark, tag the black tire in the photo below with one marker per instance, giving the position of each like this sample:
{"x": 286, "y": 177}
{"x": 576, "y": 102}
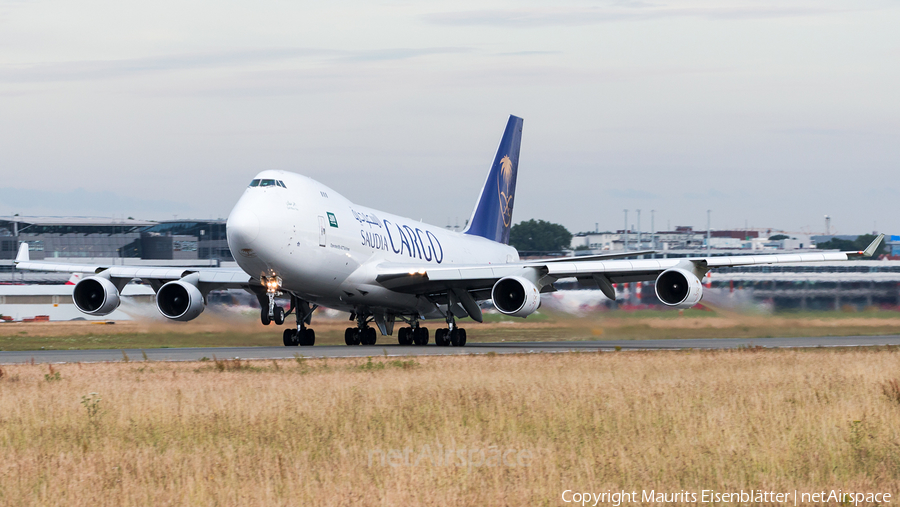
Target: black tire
{"x": 439, "y": 337}
{"x": 371, "y": 336}
{"x": 290, "y": 336}
{"x": 403, "y": 336}
{"x": 420, "y": 336}
{"x": 348, "y": 335}
{"x": 309, "y": 338}
{"x": 454, "y": 337}
{"x": 264, "y": 316}
{"x": 357, "y": 337}
{"x": 278, "y": 318}
{"x": 462, "y": 337}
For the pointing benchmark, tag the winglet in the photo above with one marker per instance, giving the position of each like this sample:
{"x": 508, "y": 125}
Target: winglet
{"x": 23, "y": 255}
{"x": 869, "y": 251}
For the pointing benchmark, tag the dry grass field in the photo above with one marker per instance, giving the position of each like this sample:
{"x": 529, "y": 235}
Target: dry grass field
{"x": 227, "y": 329}
{"x": 304, "y": 432}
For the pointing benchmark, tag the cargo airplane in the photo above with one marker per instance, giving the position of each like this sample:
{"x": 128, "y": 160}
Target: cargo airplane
{"x": 299, "y": 241}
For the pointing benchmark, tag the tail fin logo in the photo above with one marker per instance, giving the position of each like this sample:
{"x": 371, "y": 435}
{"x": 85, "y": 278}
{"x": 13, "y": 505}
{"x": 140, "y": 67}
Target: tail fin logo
{"x": 503, "y": 183}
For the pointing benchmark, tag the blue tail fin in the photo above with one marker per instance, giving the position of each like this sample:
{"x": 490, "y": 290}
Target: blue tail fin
{"x": 492, "y": 217}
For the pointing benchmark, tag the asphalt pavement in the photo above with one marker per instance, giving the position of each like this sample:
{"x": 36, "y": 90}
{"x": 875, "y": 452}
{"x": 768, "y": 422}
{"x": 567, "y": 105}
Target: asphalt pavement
{"x": 392, "y": 349}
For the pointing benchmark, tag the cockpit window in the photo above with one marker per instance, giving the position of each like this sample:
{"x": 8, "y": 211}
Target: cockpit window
{"x": 267, "y": 183}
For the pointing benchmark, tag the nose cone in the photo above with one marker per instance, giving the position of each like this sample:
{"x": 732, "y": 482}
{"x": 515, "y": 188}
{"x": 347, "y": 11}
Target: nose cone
{"x": 242, "y": 227}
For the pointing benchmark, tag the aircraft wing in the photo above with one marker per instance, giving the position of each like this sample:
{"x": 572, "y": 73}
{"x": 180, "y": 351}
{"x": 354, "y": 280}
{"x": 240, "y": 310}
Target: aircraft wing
{"x": 438, "y": 283}
{"x": 218, "y": 278}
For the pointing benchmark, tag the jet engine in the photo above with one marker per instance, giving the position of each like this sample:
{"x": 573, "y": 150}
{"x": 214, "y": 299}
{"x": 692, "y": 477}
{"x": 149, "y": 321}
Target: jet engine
{"x": 180, "y": 300}
{"x": 96, "y": 295}
{"x": 516, "y": 296}
{"x": 679, "y": 288}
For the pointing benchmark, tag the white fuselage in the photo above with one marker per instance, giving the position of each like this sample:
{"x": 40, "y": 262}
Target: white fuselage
{"x": 326, "y": 249}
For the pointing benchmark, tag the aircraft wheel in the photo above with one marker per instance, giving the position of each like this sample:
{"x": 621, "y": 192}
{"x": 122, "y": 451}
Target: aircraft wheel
{"x": 279, "y": 316}
{"x": 420, "y": 336}
{"x": 454, "y": 337}
{"x": 290, "y": 336}
{"x": 462, "y": 337}
{"x": 371, "y": 336}
{"x": 403, "y": 336}
{"x": 264, "y": 316}
{"x": 440, "y": 338}
{"x": 348, "y": 335}
{"x": 309, "y": 337}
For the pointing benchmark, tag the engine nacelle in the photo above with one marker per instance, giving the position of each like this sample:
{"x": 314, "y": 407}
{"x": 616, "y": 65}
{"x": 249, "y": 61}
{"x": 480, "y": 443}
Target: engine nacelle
{"x": 180, "y": 300}
{"x": 516, "y": 296}
{"x": 679, "y": 288}
{"x": 96, "y": 295}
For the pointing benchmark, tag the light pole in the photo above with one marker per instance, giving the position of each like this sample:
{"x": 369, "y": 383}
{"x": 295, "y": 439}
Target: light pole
{"x": 639, "y": 244}
{"x": 625, "y": 230}
{"x": 708, "y": 222}
{"x": 652, "y": 231}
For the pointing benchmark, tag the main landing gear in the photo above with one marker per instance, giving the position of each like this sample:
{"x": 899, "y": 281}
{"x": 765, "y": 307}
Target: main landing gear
{"x": 301, "y": 335}
{"x": 451, "y": 335}
{"x": 362, "y": 334}
{"x": 415, "y": 335}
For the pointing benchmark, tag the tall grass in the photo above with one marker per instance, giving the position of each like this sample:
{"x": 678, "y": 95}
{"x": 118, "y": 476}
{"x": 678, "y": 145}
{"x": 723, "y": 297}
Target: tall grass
{"x": 304, "y": 432}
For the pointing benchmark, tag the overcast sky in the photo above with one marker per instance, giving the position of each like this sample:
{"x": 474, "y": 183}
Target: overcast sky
{"x": 770, "y": 113}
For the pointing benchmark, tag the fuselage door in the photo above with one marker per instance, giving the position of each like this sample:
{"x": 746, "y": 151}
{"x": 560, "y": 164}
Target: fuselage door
{"x": 321, "y": 231}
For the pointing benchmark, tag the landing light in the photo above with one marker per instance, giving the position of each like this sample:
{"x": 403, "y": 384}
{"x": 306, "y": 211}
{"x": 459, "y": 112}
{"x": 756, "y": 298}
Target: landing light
{"x": 272, "y": 284}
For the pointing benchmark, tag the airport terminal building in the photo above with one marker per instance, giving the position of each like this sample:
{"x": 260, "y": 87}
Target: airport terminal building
{"x": 110, "y": 241}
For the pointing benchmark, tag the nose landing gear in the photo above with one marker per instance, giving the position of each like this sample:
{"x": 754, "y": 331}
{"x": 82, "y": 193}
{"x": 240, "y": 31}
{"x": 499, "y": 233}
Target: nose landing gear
{"x": 269, "y": 311}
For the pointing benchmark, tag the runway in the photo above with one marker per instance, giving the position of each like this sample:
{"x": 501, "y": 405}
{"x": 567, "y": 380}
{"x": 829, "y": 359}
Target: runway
{"x": 392, "y": 349}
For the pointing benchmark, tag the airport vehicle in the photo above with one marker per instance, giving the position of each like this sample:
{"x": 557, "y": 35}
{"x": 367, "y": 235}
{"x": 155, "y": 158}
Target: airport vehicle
{"x": 295, "y": 238}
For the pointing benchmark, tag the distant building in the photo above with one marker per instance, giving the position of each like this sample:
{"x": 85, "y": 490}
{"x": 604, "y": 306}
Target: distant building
{"x": 112, "y": 241}
{"x": 68, "y": 237}
{"x": 682, "y": 238}
{"x": 894, "y": 243}
{"x": 603, "y": 241}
